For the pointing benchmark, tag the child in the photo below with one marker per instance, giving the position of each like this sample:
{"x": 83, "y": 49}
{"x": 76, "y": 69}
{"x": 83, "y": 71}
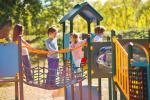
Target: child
{"x": 77, "y": 54}
{"x": 99, "y": 31}
{"x": 25, "y": 55}
{"x": 53, "y": 59}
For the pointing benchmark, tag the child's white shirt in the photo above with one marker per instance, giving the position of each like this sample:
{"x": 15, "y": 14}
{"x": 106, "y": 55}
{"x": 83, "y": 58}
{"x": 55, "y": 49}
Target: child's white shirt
{"x": 98, "y": 38}
{"x": 24, "y": 51}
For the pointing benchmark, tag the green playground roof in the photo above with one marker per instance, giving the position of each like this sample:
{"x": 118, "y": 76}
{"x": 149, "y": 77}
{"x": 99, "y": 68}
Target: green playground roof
{"x": 85, "y": 10}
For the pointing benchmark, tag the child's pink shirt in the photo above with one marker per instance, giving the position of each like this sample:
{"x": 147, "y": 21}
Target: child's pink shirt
{"x": 77, "y": 54}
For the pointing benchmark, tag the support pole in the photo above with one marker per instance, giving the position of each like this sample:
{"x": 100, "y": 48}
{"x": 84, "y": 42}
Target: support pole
{"x": 16, "y": 88}
{"x": 121, "y": 96}
{"x": 72, "y": 86}
{"x": 113, "y": 65}
{"x": 64, "y": 30}
{"x": 130, "y": 56}
{"x": 99, "y": 88}
{"x": 80, "y": 90}
{"x": 89, "y": 63}
{"x": 99, "y": 79}
{"x": 148, "y": 68}
{"x": 20, "y": 68}
{"x": 130, "y": 53}
{"x": 110, "y": 87}
{"x": 97, "y": 22}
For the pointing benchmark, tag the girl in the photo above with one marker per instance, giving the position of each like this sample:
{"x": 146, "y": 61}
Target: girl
{"x": 99, "y": 31}
{"x": 77, "y": 54}
{"x": 25, "y": 55}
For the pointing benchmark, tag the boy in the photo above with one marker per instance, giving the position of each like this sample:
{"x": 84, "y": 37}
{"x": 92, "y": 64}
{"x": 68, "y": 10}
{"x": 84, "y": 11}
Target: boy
{"x": 53, "y": 59}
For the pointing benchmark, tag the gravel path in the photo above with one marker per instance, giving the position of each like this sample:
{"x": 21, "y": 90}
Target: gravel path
{"x": 33, "y": 93}
{"x": 30, "y": 93}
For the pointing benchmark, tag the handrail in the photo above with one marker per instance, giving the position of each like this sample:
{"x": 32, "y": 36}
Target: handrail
{"x": 65, "y": 50}
{"x": 121, "y": 76}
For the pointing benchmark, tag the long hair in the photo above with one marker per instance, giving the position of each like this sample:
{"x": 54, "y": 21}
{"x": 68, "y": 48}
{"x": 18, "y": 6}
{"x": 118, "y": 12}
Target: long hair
{"x": 17, "y": 31}
{"x": 99, "y": 29}
{"x": 75, "y": 36}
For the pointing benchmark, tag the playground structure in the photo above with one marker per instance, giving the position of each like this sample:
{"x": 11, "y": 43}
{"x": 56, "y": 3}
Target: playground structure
{"x": 131, "y": 67}
{"x": 124, "y": 74}
{"x": 89, "y": 14}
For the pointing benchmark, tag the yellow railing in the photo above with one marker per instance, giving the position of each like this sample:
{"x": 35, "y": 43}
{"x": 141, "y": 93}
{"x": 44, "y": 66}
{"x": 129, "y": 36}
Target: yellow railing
{"x": 121, "y": 68}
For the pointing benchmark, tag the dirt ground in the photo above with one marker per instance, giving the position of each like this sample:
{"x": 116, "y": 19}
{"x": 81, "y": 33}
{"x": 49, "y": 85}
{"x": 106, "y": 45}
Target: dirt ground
{"x": 33, "y": 93}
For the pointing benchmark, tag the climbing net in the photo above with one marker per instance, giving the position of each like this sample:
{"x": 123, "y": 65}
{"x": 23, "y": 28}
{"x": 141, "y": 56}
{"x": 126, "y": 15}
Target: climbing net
{"x": 64, "y": 74}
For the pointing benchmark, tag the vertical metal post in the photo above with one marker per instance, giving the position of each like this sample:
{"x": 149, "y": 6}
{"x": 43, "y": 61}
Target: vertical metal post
{"x": 71, "y": 31}
{"x": 16, "y": 87}
{"x": 80, "y": 90}
{"x": 110, "y": 87}
{"x": 71, "y": 25}
{"x": 149, "y": 42}
{"x": 20, "y": 68}
{"x": 72, "y": 86}
{"x": 121, "y": 96}
{"x": 89, "y": 63}
{"x": 99, "y": 89}
{"x": 149, "y": 37}
{"x": 130, "y": 53}
{"x": 148, "y": 68}
{"x": 97, "y": 22}
{"x": 64, "y": 30}
{"x": 113, "y": 65}
{"x": 99, "y": 79}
